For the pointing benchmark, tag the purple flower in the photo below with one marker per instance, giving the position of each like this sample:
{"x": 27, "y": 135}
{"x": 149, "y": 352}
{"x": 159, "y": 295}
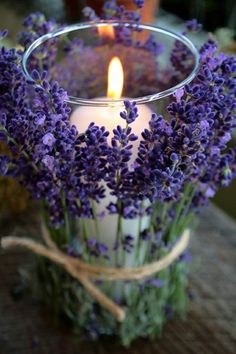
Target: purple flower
{"x": 158, "y": 283}
{"x": 139, "y": 3}
{"x": 116, "y": 245}
{"x": 92, "y": 242}
{"x": 90, "y": 14}
{"x": 49, "y": 139}
{"x": 179, "y": 94}
{"x": 146, "y": 235}
{"x": 97, "y": 249}
{"x": 3, "y": 165}
{"x": 128, "y": 243}
{"x": 48, "y": 162}
{"x": 3, "y": 34}
{"x": 186, "y": 257}
{"x": 130, "y": 113}
{"x": 193, "y": 25}
{"x": 102, "y": 248}
{"x": 226, "y": 138}
{"x": 40, "y": 119}
{"x": 174, "y": 157}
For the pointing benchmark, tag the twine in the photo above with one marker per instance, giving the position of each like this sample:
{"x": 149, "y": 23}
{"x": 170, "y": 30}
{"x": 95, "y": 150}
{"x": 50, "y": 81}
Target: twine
{"x": 84, "y": 272}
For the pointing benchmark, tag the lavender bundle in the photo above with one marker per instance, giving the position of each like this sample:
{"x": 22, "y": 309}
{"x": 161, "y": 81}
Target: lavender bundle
{"x": 182, "y": 160}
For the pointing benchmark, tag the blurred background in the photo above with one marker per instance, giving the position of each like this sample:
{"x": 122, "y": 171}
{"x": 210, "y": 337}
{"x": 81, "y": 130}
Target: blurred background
{"x": 217, "y": 17}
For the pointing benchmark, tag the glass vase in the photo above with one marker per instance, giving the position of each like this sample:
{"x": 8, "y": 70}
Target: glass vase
{"x": 153, "y": 65}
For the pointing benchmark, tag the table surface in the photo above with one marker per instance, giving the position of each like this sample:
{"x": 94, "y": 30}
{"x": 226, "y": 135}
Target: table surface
{"x": 26, "y": 327}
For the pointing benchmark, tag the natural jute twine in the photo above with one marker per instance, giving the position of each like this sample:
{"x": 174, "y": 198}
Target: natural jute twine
{"x": 84, "y": 272}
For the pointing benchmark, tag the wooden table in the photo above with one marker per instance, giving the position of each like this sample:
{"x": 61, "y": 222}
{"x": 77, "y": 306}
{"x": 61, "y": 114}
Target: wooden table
{"x": 26, "y": 328}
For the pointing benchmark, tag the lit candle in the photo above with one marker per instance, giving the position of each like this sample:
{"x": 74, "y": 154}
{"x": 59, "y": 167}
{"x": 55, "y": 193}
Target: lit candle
{"x": 110, "y": 117}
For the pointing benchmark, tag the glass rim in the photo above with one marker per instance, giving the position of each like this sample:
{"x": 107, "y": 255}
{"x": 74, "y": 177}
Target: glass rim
{"x": 116, "y": 23}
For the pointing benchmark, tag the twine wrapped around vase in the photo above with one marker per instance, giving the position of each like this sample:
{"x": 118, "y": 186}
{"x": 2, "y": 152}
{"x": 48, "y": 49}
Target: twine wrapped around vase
{"x": 84, "y": 272}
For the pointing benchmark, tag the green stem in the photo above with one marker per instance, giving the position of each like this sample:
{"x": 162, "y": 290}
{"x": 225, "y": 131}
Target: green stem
{"x": 185, "y": 214}
{"x": 190, "y": 198}
{"x": 186, "y": 222}
{"x": 154, "y": 216}
{"x": 85, "y": 229}
{"x": 118, "y": 237}
{"x": 25, "y": 154}
{"x": 83, "y": 223}
{"x": 179, "y": 210}
{"x": 66, "y": 219}
{"x": 164, "y": 212}
{"x": 96, "y": 224}
{"x": 138, "y": 247}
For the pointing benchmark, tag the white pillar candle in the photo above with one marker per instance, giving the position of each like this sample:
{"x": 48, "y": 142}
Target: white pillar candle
{"x": 109, "y": 117}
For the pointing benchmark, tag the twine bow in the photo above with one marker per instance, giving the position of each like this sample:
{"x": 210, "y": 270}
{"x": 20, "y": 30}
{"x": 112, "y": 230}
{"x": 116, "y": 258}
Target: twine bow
{"x": 84, "y": 272}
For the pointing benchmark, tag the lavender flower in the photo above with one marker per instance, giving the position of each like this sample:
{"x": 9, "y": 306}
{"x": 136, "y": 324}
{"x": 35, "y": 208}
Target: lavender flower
{"x": 3, "y": 34}
{"x": 130, "y": 113}
{"x": 193, "y": 26}
{"x": 158, "y": 283}
{"x": 139, "y": 3}
{"x": 48, "y": 162}
{"x": 48, "y": 139}
{"x": 97, "y": 249}
{"x": 3, "y": 165}
{"x": 113, "y": 11}
{"x": 128, "y": 243}
{"x": 90, "y": 14}
{"x": 146, "y": 235}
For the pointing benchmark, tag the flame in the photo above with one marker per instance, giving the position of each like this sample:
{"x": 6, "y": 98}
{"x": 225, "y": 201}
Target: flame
{"x": 115, "y": 79}
{"x": 107, "y": 32}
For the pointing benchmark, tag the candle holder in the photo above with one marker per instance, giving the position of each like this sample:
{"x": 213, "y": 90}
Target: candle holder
{"x": 107, "y": 237}
{"x": 121, "y": 166}
{"x": 151, "y": 75}
{"x": 78, "y": 56}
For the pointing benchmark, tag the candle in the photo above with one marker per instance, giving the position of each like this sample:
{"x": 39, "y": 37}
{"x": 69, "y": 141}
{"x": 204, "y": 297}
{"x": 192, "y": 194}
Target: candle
{"x": 110, "y": 117}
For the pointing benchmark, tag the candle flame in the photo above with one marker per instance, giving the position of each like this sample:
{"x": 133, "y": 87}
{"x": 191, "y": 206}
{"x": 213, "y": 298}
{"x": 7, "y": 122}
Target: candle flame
{"x": 115, "y": 79}
{"x": 106, "y": 32}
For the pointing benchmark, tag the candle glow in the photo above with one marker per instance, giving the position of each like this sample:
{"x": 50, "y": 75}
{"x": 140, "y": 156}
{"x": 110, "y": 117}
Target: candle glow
{"x": 115, "y": 79}
{"x": 106, "y": 32}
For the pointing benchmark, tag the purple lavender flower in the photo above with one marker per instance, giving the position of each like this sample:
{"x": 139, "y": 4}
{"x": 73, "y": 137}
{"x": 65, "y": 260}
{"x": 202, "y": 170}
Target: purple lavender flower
{"x": 146, "y": 235}
{"x": 158, "y": 283}
{"x": 3, "y": 34}
{"x": 179, "y": 94}
{"x": 186, "y": 257}
{"x": 97, "y": 249}
{"x": 40, "y": 119}
{"x": 113, "y": 11}
{"x": 49, "y": 139}
{"x": 139, "y": 3}
{"x": 48, "y": 162}
{"x": 36, "y": 26}
{"x": 92, "y": 242}
{"x": 193, "y": 25}
{"x": 90, "y": 14}
{"x": 127, "y": 243}
{"x": 3, "y": 165}
{"x": 130, "y": 113}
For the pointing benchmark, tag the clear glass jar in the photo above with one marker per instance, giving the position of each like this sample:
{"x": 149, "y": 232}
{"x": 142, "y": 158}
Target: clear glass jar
{"x": 155, "y": 64}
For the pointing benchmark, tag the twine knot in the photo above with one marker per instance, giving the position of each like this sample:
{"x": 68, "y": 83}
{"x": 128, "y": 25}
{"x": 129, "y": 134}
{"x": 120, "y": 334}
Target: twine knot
{"x": 85, "y": 272}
